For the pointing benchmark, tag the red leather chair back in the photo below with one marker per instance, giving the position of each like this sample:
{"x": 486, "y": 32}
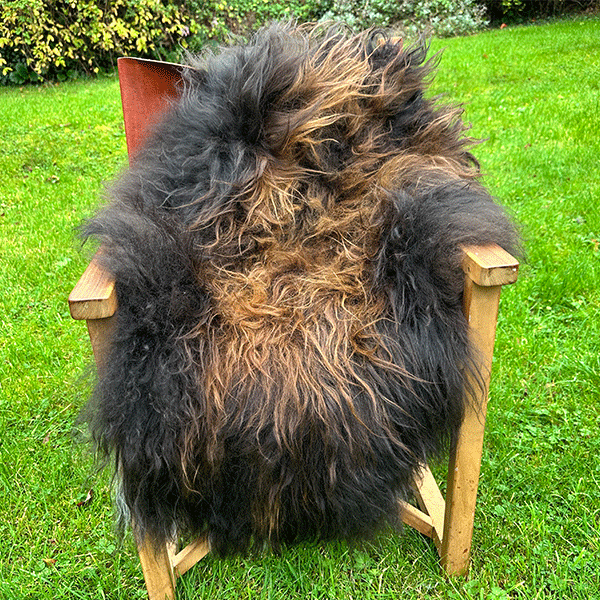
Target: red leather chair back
{"x": 148, "y": 87}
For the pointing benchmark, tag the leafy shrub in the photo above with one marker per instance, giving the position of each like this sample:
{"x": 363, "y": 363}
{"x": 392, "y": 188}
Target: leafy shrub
{"x": 43, "y": 39}
{"x": 216, "y": 19}
{"x": 521, "y": 10}
{"x": 441, "y": 17}
{"x": 57, "y": 39}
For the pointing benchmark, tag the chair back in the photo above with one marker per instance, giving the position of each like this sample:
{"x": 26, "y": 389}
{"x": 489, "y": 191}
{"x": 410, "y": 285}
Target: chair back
{"x": 148, "y": 87}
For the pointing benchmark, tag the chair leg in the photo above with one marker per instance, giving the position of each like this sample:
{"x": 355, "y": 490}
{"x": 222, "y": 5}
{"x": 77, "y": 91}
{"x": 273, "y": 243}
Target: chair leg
{"x": 461, "y": 496}
{"x": 157, "y": 567}
{"x": 100, "y": 331}
{"x": 481, "y": 308}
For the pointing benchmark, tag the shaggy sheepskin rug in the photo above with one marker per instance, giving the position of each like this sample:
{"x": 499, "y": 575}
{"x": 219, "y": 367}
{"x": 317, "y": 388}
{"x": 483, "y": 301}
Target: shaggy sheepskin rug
{"x": 290, "y": 345}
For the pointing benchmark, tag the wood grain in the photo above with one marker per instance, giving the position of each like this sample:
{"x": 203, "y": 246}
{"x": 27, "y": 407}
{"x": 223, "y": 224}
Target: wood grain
{"x": 94, "y": 296}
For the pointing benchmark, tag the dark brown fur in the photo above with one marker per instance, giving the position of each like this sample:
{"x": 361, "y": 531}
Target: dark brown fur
{"x": 290, "y": 344}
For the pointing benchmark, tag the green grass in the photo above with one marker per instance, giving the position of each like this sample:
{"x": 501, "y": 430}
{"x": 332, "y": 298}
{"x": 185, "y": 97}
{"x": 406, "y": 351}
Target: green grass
{"x": 533, "y": 93}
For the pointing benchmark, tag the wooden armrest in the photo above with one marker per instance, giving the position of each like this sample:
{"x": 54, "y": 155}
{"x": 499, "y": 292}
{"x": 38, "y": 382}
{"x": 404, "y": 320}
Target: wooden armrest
{"x": 94, "y": 296}
{"x": 490, "y": 265}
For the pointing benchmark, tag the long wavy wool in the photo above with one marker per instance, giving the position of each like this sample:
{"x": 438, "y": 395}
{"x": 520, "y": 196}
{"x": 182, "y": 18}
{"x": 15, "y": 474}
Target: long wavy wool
{"x": 290, "y": 345}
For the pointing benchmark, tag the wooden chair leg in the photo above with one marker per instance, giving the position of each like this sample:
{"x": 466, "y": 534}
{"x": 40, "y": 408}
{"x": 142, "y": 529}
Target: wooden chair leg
{"x": 163, "y": 566}
{"x": 481, "y": 306}
{"x": 449, "y": 522}
{"x": 100, "y": 333}
{"x": 431, "y": 501}
{"x": 157, "y": 567}
{"x": 184, "y": 560}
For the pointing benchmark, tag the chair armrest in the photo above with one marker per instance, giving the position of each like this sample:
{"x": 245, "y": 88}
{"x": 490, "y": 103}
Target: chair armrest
{"x": 489, "y": 265}
{"x": 94, "y": 296}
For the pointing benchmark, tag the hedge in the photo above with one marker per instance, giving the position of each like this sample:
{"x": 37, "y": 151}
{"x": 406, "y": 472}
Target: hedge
{"x": 59, "y": 39}
{"x": 46, "y": 39}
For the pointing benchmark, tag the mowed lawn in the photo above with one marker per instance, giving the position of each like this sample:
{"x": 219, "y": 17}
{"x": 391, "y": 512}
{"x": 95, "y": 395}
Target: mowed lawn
{"x": 533, "y": 93}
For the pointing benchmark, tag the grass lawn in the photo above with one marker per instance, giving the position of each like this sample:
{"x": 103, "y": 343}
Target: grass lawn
{"x": 533, "y": 93}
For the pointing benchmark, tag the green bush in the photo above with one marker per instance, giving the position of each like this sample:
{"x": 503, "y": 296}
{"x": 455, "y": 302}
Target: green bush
{"x": 46, "y": 39}
{"x": 216, "y": 19}
{"x": 441, "y": 17}
{"x": 512, "y": 11}
{"x": 59, "y": 39}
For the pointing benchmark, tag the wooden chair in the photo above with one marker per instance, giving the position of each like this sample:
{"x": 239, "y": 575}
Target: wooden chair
{"x": 146, "y": 90}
